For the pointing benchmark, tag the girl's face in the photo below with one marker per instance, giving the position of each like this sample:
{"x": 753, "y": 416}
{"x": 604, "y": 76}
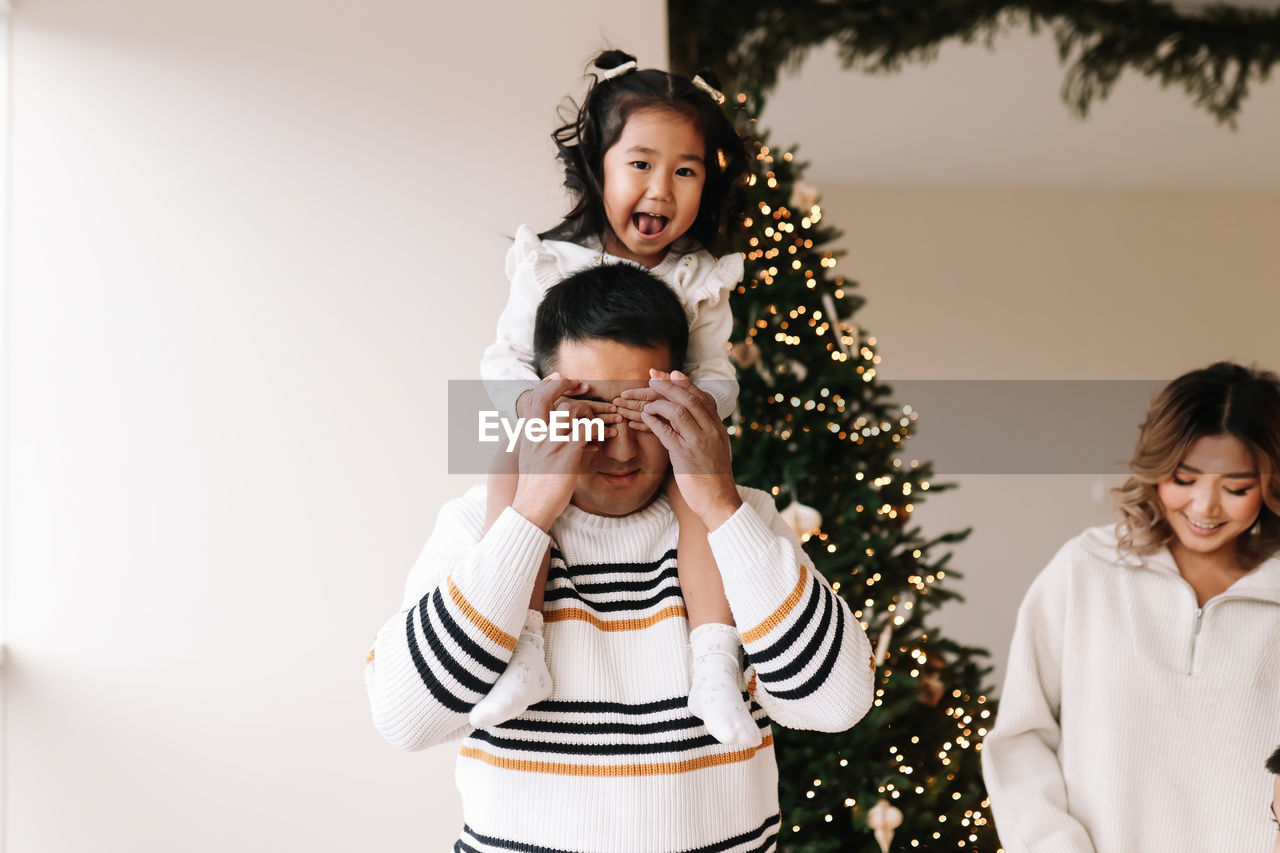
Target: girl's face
{"x": 653, "y": 177}
{"x": 1214, "y": 495}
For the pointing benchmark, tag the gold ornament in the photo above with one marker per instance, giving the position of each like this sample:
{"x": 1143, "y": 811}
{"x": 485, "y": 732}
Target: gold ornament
{"x": 883, "y": 820}
{"x": 746, "y": 354}
{"x": 931, "y": 690}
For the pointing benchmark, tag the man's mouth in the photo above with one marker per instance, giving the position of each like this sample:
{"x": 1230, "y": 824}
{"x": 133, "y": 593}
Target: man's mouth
{"x": 649, "y": 224}
{"x": 620, "y": 478}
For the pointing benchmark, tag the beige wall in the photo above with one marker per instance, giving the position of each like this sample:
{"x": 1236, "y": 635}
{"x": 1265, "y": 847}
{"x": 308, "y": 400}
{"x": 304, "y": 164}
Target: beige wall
{"x": 251, "y": 241}
{"x": 983, "y": 283}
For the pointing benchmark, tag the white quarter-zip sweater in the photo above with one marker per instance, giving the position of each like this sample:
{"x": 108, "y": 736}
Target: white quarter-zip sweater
{"x": 1132, "y": 719}
{"x": 613, "y": 762}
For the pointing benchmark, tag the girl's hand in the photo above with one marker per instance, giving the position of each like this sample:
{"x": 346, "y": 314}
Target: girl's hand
{"x": 630, "y": 404}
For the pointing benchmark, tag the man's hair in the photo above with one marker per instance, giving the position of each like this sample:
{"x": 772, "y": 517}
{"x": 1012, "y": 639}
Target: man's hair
{"x": 609, "y": 302}
{"x": 1273, "y": 763}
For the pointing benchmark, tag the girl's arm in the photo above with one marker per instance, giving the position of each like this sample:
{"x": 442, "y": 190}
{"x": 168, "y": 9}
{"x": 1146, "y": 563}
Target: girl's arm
{"x": 811, "y": 657}
{"x": 1020, "y": 756}
{"x": 507, "y": 363}
{"x": 708, "y": 361}
{"x": 465, "y": 600}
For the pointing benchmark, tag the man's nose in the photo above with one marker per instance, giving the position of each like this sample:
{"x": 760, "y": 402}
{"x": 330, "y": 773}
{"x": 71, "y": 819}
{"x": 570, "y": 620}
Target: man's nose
{"x": 622, "y": 447}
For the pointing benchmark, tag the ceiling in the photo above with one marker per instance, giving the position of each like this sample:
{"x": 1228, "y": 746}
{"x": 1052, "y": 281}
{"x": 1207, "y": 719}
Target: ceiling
{"x": 979, "y": 116}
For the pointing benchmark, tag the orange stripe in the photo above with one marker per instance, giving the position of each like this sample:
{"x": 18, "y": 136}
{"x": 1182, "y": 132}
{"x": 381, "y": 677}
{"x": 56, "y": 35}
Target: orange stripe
{"x": 573, "y": 613}
{"x": 490, "y": 630}
{"x": 662, "y": 768}
{"x": 778, "y": 615}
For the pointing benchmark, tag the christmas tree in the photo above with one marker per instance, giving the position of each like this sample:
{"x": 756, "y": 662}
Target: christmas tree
{"x": 818, "y": 429}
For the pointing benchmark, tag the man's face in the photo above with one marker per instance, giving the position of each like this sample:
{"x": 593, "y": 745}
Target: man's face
{"x": 627, "y": 471}
{"x": 1275, "y": 814}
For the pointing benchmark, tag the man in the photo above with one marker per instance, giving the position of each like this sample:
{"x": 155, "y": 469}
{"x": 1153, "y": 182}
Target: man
{"x": 614, "y": 761}
{"x": 1273, "y": 765}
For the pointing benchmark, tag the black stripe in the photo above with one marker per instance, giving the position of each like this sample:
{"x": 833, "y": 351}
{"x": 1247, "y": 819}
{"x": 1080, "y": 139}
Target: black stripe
{"x": 609, "y": 587}
{"x": 625, "y": 604}
{"x": 823, "y": 671}
{"x": 573, "y": 728}
{"x": 438, "y": 651}
{"x": 715, "y": 847}
{"x": 491, "y": 736}
{"x": 789, "y": 638}
{"x": 581, "y": 569}
{"x": 810, "y": 653}
{"x": 744, "y": 838}
{"x": 584, "y": 707}
{"x": 438, "y": 690}
{"x": 460, "y": 637}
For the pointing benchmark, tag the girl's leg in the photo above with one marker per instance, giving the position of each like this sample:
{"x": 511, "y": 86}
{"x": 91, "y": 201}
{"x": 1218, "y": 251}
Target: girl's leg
{"x": 526, "y": 680}
{"x": 716, "y": 671}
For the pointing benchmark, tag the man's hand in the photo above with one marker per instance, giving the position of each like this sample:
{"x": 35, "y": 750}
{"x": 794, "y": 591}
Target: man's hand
{"x": 684, "y": 419}
{"x": 549, "y": 469}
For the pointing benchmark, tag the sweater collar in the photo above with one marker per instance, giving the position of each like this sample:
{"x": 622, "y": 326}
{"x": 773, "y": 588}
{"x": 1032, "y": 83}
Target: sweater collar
{"x": 1262, "y": 583}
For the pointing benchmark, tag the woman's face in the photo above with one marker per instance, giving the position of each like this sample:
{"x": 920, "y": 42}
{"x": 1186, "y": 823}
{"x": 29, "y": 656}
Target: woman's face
{"x": 1214, "y": 495}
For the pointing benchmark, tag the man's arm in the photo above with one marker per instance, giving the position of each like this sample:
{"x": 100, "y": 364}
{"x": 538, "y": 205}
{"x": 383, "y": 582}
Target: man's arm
{"x": 467, "y": 596}
{"x": 812, "y": 659}
{"x": 465, "y": 600}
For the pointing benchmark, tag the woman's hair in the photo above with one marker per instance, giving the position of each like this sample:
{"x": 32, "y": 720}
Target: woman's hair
{"x": 1273, "y": 763}
{"x": 582, "y": 142}
{"x": 1221, "y": 399}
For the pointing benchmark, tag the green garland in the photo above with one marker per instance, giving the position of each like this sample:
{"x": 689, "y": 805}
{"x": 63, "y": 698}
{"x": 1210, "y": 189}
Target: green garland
{"x": 1213, "y": 54}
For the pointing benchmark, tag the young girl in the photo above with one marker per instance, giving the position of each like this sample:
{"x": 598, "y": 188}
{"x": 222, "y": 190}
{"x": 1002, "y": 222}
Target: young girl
{"x": 652, "y": 164}
{"x": 1144, "y": 677}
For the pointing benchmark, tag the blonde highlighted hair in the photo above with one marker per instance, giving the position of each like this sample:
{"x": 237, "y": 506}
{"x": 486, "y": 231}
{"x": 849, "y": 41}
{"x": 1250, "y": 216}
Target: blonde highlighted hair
{"x": 1221, "y": 399}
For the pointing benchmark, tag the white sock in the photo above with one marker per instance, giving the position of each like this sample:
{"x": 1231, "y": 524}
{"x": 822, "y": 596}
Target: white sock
{"x": 526, "y": 680}
{"x": 714, "y": 695}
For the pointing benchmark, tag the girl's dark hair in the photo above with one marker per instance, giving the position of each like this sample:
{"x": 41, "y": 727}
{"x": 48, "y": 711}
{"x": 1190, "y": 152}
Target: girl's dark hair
{"x": 582, "y": 142}
{"x": 1221, "y": 399}
{"x": 1273, "y": 763}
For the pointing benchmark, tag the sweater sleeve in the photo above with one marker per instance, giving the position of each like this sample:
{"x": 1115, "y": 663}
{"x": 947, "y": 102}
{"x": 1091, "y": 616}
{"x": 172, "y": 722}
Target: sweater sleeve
{"x": 1020, "y": 754}
{"x": 507, "y": 364}
{"x": 710, "y": 325}
{"x": 465, "y": 601}
{"x": 811, "y": 657}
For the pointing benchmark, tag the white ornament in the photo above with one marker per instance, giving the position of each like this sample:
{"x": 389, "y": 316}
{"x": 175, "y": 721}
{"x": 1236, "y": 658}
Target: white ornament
{"x": 804, "y": 196}
{"x": 803, "y": 520}
{"x": 882, "y": 645}
{"x": 797, "y": 369}
{"x": 841, "y": 328}
{"x": 884, "y": 819}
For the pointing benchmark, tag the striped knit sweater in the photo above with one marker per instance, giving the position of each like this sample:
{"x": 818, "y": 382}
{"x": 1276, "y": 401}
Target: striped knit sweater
{"x": 1133, "y": 720}
{"x": 613, "y": 761}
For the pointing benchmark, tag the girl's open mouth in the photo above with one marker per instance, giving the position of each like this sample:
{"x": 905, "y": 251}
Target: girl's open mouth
{"x": 649, "y": 224}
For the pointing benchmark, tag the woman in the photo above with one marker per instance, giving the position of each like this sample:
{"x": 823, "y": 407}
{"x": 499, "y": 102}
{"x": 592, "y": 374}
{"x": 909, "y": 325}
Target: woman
{"x": 1144, "y": 675}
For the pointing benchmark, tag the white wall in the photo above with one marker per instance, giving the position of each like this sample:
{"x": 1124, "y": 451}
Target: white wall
{"x": 251, "y": 242}
{"x": 1035, "y": 283}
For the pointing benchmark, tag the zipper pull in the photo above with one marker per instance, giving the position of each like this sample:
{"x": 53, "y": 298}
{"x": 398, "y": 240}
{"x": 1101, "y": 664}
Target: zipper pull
{"x": 1199, "y": 616}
